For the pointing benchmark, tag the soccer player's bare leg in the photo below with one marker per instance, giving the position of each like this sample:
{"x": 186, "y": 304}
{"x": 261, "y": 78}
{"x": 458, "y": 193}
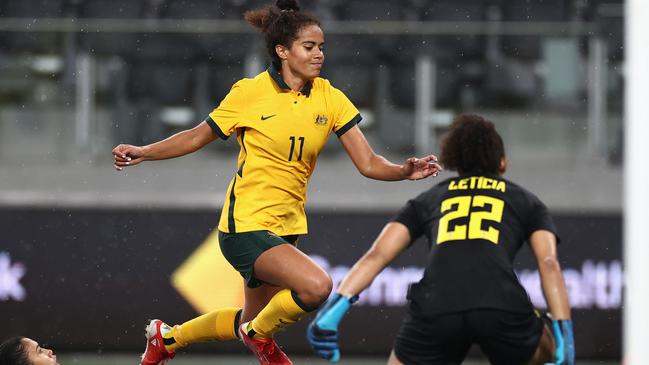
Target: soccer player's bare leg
{"x": 303, "y": 286}
{"x": 256, "y": 299}
{"x": 288, "y": 267}
{"x": 545, "y": 351}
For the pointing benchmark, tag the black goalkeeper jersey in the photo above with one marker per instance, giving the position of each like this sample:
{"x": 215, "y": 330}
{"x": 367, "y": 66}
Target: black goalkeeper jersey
{"x": 475, "y": 225}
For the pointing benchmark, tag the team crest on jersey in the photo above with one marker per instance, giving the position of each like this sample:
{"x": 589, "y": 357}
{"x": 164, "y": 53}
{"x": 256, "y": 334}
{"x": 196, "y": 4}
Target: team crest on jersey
{"x": 321, "y": 120}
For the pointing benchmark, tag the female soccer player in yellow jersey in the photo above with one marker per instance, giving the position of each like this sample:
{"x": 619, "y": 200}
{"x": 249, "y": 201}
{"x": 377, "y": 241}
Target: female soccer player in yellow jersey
{"x": 282, "y": 119}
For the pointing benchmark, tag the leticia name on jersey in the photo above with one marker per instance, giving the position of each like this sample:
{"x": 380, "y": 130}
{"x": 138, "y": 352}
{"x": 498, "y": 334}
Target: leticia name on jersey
{"x": 477, "y": 182}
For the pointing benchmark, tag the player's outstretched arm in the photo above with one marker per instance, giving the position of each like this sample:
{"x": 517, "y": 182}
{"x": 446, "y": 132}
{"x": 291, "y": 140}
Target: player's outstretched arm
{"x": 544, "y": 246}
{"x": 322, "y": 333}
{"x": 177, "y": 145}
{"x": 376, "y": 167}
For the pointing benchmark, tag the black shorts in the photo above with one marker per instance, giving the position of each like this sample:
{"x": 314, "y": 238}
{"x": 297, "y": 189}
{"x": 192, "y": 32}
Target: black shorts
{"x": 506, "y": 338}
{"x": 242, "y": 249}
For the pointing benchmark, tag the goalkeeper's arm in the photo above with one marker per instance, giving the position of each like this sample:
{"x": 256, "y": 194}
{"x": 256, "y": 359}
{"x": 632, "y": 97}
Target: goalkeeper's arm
{"x": 544, "y": 246}
{"x": 393, "y": 239}
{"x": 323, "y": 330}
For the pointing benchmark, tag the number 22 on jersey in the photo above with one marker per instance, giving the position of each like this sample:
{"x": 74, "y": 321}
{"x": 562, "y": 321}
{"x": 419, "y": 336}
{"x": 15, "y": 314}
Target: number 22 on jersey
{"x": 461, "y": 207}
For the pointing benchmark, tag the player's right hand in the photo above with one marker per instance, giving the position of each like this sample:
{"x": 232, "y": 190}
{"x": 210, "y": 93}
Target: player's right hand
{"x": 565, "y": 340}
{"x": 323, "y": 330}
{"x": 127, "y": 155}
{"x": 421, "y": 168}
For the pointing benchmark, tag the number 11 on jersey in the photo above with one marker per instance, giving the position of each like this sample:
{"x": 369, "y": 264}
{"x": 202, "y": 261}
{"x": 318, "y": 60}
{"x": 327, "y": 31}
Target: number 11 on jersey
{"x": 299, "y": 154}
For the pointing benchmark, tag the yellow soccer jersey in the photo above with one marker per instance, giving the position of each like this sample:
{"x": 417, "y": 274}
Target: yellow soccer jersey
{"x": 281, "y": 133}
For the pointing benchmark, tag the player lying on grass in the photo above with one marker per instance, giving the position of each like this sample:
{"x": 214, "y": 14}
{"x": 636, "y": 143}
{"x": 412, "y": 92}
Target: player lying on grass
{"x": 475, "y": 224}
{"x": 20, "y": 350}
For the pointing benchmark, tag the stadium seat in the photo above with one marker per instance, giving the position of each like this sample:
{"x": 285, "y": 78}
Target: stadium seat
{"x": 351, "y": 61}
{"x": 31, "y": 42}
{"x": 162, "y": 67}
{"x": 323, "y": 9}
{"x": 368, "y": 46}
{"x": 357, "y": 82}
{"x": 529, "y": 47}
{"x": 221, "y": 45}
{"x": 459, "y": 59}
{"x": 402, "y": 85}
{"x": 108, "y": 44}
{"x": 202, "y": 9}
{"x": 455, "y": 47}
{"x": 513, "y": 61}
{"x": 610, "y": 26}
{"x": 168, "y": 83}
{"x": 31, "y": 9}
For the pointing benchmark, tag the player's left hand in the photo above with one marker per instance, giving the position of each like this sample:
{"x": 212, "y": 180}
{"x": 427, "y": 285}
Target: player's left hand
{"x": 420, "y": 168}
{"x": 565, "y": 341}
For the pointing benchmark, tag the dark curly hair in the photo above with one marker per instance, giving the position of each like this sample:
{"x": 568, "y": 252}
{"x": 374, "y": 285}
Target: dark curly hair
{"x": 280, "y": 24}
{"x": 12, "y": 352}
{"x": 472, "y": 145}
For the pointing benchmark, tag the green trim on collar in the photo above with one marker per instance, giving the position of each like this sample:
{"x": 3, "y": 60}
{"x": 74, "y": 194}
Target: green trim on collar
{"x": 306, "y": 90}
{"x": 277, "y": 77}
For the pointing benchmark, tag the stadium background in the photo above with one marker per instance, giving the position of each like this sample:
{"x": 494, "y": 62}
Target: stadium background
{"x": 88, "y": 254}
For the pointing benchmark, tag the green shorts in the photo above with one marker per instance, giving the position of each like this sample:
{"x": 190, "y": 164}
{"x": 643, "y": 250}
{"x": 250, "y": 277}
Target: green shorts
{"x": 242, "y": 249}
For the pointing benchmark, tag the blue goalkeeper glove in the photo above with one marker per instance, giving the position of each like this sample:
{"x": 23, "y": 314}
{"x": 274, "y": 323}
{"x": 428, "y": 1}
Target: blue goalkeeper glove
{"x": 323, "y": 330}
{"x": 565, "y": 340}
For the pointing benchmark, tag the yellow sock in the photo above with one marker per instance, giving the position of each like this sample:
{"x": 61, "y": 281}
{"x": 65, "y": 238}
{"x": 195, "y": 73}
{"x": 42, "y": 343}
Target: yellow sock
{"x": 281, "y": 312}
{"x": 219, "y": 325}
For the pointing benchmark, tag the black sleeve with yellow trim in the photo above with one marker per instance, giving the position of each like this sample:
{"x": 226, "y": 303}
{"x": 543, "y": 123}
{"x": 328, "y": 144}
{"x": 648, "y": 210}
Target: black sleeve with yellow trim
{"x": 225, "y": 118}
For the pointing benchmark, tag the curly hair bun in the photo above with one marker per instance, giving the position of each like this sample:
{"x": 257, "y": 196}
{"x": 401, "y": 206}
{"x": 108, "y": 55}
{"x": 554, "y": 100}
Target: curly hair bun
{"x": 287, "y": 5}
